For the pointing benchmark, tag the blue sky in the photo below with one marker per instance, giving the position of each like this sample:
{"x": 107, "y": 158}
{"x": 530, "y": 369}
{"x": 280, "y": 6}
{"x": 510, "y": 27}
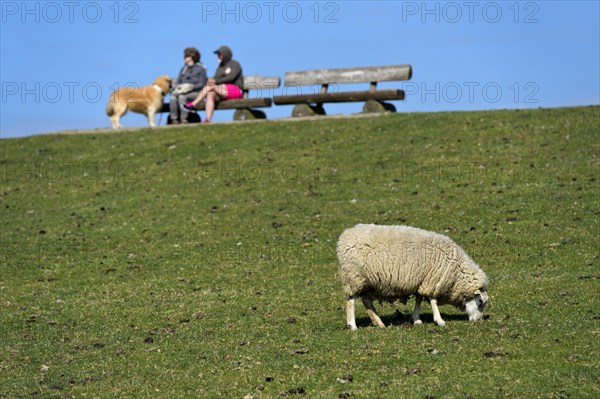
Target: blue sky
{"x": 61, "y": 59}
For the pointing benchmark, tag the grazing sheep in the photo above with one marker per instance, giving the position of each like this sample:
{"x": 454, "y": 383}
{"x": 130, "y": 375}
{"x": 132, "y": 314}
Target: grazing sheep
{"x": 391, "y": 263}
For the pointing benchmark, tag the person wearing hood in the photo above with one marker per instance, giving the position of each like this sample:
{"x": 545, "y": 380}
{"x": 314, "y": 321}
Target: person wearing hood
{"x": 189, "y": 83}
{"x": 225, "y": 85}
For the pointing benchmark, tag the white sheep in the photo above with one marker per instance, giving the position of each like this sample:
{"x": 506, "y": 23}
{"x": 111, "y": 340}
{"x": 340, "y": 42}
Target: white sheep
{"x": 391, "y": 263}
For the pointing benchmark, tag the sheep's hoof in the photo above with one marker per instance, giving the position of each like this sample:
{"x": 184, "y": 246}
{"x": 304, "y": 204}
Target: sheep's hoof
{"x": 440, "y": 323}
{"x": 418, "y": 323}
{"x": 351, "y": 327}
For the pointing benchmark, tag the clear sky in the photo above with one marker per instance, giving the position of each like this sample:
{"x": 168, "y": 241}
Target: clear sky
{"x": 61, "y": 59}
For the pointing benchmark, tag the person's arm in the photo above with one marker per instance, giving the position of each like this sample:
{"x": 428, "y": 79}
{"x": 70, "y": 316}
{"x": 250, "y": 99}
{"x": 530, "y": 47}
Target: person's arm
{"x": 199, "y": 78}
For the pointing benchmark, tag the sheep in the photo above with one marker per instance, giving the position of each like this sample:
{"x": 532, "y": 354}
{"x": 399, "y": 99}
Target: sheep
{"x": 390, "y": 263}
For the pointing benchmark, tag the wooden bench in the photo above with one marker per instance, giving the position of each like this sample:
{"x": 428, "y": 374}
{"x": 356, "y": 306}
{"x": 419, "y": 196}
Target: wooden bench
{"x": 311, "y": 103}
{"x": 262, "y": 87}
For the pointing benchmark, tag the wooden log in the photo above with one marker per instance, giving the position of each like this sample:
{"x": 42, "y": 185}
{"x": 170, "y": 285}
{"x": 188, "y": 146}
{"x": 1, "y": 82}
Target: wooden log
{"x": 349, "y": 96}
{"x": 244, "y": 103}
{"x": 348, "y": 75}
{"x": 261, "y": 82}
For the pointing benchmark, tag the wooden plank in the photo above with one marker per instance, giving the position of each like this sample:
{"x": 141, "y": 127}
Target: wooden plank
{"x": 244, "y": 103}
{"x": 348, "y": 96}
{"x": 348, "y": 75}
{"x": 261, "y": 82}
{"x": 231, "y": 104}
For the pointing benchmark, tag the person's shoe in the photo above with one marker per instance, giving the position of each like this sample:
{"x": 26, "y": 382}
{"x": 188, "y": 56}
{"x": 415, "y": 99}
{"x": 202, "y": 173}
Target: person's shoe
{"x": 184, "y": 122}
{"x": 189, "y": 106}
{"x": 206, "y": 121}
{"x": 175, "y": 122}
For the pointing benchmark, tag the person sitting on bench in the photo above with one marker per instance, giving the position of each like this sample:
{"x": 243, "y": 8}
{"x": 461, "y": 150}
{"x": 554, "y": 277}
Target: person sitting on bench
{"x": 192, "y": 76}
{"x": 225, "y": 85}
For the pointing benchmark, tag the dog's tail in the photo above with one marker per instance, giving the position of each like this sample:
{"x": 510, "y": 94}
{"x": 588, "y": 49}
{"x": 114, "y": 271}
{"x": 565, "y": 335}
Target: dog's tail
{"x": 110, "y": 107}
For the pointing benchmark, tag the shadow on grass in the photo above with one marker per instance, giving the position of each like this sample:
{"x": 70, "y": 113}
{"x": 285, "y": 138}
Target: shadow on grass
{"x": 404, "y": 319}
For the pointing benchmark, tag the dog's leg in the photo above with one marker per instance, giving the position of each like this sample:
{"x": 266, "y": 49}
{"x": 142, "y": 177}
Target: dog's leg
{"x": 151, "y": 118}
{"x": 118, "y": 110}
{"x": 114, "y": 120}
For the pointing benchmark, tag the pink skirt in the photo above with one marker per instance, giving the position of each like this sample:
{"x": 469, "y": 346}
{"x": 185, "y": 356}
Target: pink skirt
{"x": 233, "y": 91}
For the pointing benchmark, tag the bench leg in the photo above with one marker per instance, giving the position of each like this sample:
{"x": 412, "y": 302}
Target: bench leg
{"x": 244, "y": 114}
{"x": 308, "y": 110}
{"x": 374, "y": 106}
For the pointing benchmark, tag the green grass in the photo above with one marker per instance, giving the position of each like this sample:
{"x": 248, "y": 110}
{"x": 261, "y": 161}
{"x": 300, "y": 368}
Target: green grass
{"x": 200, "y": 261}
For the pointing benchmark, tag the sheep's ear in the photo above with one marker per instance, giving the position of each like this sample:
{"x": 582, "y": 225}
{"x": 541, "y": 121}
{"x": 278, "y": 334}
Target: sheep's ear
{"x": 480, "y": 298}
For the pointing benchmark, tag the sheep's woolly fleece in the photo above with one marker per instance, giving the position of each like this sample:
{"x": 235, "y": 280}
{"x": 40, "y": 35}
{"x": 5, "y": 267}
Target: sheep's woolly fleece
{"x": 394, "y": 262}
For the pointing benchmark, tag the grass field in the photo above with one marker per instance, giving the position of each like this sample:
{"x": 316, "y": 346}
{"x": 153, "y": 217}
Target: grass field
{"x": 199, "y": 262}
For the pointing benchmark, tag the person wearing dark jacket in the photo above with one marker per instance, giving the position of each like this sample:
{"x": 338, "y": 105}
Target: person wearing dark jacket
{"x": 187, "y": 86}
{"x": 225, "y": 85}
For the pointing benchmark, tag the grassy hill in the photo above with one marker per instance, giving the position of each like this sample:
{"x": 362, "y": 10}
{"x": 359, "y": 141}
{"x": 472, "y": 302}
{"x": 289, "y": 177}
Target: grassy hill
{"x": 200, "y": 261}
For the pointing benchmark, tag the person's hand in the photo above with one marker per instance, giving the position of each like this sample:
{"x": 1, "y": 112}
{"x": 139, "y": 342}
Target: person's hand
{"x": 211, "y": 81}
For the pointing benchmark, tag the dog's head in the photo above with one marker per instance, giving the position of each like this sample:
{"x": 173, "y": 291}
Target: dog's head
{"x": 164, "y": 82}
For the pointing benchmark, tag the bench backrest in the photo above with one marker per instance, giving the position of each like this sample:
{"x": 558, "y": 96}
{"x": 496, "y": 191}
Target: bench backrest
{"x": 348, "y": 75}
{"x": 261, "y": 82}
{"x": 257, "y": 82}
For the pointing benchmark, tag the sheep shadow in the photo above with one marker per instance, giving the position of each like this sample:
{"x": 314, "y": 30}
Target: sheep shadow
{"x": 399, "y": 319}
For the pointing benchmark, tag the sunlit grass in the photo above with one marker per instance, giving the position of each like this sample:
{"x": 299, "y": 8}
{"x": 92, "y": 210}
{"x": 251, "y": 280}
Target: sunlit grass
{"x": 200, "y": 261}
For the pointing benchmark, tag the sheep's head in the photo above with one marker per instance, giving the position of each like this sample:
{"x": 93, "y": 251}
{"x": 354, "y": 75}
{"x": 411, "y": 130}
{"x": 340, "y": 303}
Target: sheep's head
{"x": 476, "y": 306}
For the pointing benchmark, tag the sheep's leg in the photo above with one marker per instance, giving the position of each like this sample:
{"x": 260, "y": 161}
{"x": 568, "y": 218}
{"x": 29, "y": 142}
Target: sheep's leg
{"x": 417, "y": 311}
{"x": 372, "y": 312}
{"x": 437, "y": 318}
{"x": 350, "y": 320}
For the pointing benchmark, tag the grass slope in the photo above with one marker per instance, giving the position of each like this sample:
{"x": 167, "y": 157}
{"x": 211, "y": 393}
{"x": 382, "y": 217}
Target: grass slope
{"x": 200, "y": 261}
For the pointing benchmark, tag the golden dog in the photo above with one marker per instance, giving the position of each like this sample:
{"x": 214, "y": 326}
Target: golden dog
{"x": 145, "y": 100}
